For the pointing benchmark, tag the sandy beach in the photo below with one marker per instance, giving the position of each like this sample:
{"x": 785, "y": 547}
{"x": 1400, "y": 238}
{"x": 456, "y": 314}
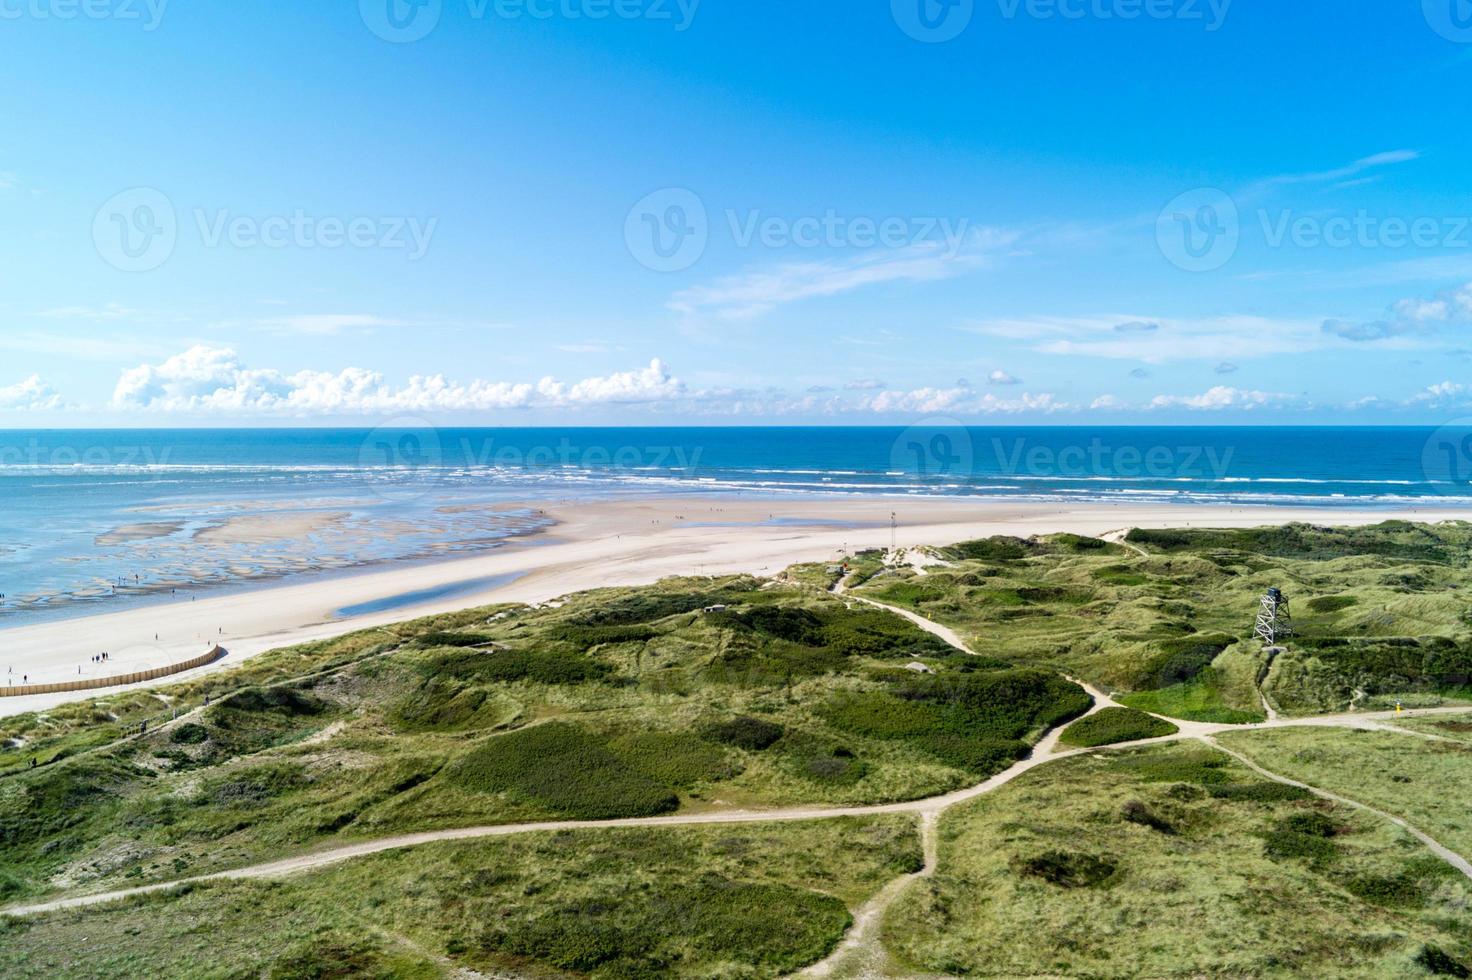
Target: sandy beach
{"x": 623, "y": 542}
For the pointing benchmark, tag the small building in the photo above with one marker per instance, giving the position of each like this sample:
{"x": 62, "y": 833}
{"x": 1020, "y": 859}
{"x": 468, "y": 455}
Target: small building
{"x": 715, "y": 609}
{"x": 918, "y": 668}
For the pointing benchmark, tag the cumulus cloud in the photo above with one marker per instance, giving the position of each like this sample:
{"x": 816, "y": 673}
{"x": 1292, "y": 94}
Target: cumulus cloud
{"x": 1226, "y": 367}
{"x": 207, "y": 379}
{"x": 963, "y": 401}
{"x": 1000, "y": 377}
{"x": 866, "y": 384}
{"x": 1139, "y": 373}
{"x": 1219, "y": 398}
{"x": 30, "y": 395}
{"x": 1409, "y": 317}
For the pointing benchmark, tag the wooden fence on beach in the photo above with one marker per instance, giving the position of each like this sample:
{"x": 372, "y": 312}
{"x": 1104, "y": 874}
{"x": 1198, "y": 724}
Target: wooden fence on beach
{"x": 121, "y": 680}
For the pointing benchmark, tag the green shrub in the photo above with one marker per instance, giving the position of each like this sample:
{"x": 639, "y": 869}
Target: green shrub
{"x": 976, "y": 722}
{"x": 564, "y": 768}
{"x": 1067, "y": 869}
{"x": 673, "y": 758}
{"x": 1331, "y": 603}
{"x": 1203, "y": 767}
{"x": 441, "y": 638}
{"x": 1434, "y": 960}
{"x": 189, "y": 734}
{"x": 1280, "y": 844}
{"x": 766, "y": 929}
{"x": 1140, "y": 813}
{"x": 824, "y": 762}
{"x": 505, "y": 666}
{"x": 1264, "y": 792}
{"x": 276, "y": 700}
{"x": 587, "y": 637}
{"x": 1113, "y": 725}
{"x": 1181, "y": 659}
{"x": 998, "y": 548}
{"x": 746, "y": 732}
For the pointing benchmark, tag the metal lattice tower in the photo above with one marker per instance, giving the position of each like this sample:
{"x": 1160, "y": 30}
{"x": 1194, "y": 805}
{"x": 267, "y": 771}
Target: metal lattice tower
{"x": 1273, "y": 619}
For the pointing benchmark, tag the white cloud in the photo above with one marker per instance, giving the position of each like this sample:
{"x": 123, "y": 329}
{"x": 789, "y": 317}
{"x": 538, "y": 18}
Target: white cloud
{"x": 1210, "y": 338}
{"x": 214, "y": 380}
{"x": 962, "y": 401}
{"x": 1446, "y": 392}
{"x": 866, "y": 384}
{"x": 1219, "y": 398}
{"x": 1346, "y": 173}
{"x": 30, "y": 395}
{"x": 753, "y": 294}
{"x": 328, "y": 324}
{"x": 1000, "y": 377}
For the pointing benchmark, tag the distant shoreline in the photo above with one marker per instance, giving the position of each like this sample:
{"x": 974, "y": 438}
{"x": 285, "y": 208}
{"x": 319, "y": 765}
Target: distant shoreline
{"x": 611, "y": 543}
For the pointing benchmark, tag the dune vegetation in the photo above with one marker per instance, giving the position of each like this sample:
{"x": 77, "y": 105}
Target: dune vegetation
{"x": 1161, "y": 862}
{"x": 738, "y": 901}
{"x": 1164, "y": 619}
{"x": 687, "y": 696}
{"x": 707, "y": 699}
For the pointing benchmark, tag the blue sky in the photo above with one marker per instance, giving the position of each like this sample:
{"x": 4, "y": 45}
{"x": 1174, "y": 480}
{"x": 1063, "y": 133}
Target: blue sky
{"x": 648, "y": 211}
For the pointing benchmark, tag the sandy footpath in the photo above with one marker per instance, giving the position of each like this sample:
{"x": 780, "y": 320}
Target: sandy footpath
{"x": 626, "y": 542}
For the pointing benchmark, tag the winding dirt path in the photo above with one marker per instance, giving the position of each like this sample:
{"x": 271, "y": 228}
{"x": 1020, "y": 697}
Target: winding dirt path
{"x": 861, "y": 946}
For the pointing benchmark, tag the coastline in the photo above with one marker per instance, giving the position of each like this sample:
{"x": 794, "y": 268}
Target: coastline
{"x": 607, "y": 543}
